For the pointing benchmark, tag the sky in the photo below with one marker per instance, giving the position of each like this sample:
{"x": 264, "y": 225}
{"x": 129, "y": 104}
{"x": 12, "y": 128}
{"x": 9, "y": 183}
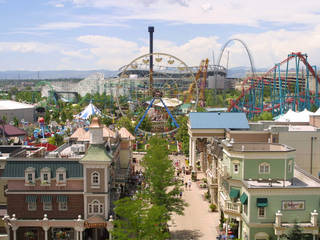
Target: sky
{"x": 107, "y": 34}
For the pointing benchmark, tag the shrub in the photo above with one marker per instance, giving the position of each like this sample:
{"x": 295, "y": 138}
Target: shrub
{"x": 213, "y": 207}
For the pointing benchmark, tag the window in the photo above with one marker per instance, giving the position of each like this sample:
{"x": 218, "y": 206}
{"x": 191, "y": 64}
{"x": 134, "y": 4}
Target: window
{"x": 95, "y": 207}
{"x": 290, "y": 166}
{"x": 95, "y": 179}
{"x": 63, "y": 206}
{"x": 61, "y": 176}
{"x": 264, "y": 168}
{"x": 62, "y": 202}
{"x": 45, "y": 176}
{"x": 261, "y": 212}
{"x": 47, "y": 206}
{"x": 32, "y": 206}
{"x": 29, "y": 174}
{"x": 236, "y": 168}
{"x": 245, "y": 209}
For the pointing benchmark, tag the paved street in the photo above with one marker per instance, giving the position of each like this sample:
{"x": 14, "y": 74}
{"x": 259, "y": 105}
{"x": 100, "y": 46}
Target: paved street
{"x": 198, "y": 223}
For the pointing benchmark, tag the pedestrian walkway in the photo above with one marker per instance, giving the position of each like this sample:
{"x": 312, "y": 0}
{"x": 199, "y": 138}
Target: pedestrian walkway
{"x": 198, "y": 223}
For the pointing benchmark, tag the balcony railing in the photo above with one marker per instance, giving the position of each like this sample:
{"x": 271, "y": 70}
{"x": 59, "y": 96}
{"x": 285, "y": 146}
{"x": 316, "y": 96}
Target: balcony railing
{"x": 233, "y": 207}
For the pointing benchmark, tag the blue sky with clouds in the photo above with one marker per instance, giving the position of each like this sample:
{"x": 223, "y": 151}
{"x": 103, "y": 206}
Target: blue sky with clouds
{"x": 95, "y": 34}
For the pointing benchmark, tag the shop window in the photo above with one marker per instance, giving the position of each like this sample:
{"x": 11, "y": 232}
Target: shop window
{"x": 95, "y": 207}
{"x": 62, "y": 202}
{"x": 264, "y": 168}
{"x": 47, "y": 206}
{"x": 32, "y": 206}
{"x": 63, "y": 206}
{"x": 261, "y": 212}
{"x": 61, "y": 176}
{"x": 45, "y": 176}
{"x": 29, "y": 174}
{"x": 95, "y": 179}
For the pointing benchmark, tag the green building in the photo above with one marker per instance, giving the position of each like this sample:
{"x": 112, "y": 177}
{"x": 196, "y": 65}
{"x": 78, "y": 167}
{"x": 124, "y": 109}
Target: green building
{"x": 262, "y": 194}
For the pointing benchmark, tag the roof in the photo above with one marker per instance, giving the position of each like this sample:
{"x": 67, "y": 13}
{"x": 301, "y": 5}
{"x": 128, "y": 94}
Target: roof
{"x": 17, "y": 168}
{"x": 124, "y": 133}
{"x": 218, "y": 120}
{"x": 81, "y": 135}
{"x": 12, "y": 131}
{"x": 97, "y": 152}
{"x": 301, "y": 179}
{"x": 11, "y": 105}
{"x": 107, "y": 132}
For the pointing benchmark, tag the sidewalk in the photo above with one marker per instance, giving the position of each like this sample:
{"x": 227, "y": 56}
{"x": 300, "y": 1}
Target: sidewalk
{"x": 198, "y": 222}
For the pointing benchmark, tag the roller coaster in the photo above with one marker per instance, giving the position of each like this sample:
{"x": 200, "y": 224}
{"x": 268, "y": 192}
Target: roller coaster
{"x": 280, "y": 88}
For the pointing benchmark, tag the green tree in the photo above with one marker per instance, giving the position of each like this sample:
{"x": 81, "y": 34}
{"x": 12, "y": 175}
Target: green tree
{"x": 182, "y": 134}
{"x": 139, "y": 219}
{"x": 295, "y": 233}
{"x": 159, "y": 174}
{"x": 16, "y": 121}
{"x": 126, "y": 123}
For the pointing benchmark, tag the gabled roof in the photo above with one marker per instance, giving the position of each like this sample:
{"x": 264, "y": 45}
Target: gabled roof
{"x": 12, "y": 131}
{"x": 218, "y": 120}
{"x": 108, "y": 133}
{"x": 124, "y": 133}
{"x": 81, "y": 135}
{"x": 97, "y": 152}
{"x": 17, "y": 168}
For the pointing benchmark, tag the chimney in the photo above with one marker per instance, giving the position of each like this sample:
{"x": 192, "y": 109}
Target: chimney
{"x": 96, "y": 131}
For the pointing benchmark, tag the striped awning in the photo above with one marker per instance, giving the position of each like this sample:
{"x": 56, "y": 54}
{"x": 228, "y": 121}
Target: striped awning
{"x": 62, "y": 198}
{"x": 234, "y": 193}
{"x": 262, "y": 202}
{"x": 31, "y": 198}
{"x": 244, "y": 198}
{"x": 46, "y": 198}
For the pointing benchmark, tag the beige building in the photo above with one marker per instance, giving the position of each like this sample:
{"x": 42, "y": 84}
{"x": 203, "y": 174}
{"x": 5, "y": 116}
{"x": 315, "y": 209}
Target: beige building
{"x": 11, "y": 109}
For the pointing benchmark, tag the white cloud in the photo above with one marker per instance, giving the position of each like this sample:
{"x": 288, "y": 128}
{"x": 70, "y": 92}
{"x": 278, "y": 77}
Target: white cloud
{"x": 271, "y": 47}
{"x": 27, "y": 47}
{"x": 247, "y": 12}
{"x": 59, "y": 5}
{"x": 71, "y": 25}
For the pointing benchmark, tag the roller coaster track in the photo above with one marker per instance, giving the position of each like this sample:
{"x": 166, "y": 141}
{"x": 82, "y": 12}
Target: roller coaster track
{"x": 251, "y": 99}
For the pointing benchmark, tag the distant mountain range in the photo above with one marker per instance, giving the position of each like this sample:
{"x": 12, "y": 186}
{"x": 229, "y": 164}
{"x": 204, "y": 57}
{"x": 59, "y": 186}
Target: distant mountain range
{"x": 236, "y": 72}
{"x": 23, "y": 75}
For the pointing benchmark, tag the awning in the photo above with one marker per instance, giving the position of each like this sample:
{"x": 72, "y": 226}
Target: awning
{"x": 262, "y": 202}
{"x": 46, "y": 198}
{"x": 62, "y": 198}
{"x": 234, "y": 193}
{"x": 31, "y": 198}
{"x": 244, "y": 199}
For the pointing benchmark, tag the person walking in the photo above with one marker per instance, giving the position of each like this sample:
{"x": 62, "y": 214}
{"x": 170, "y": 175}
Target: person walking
{"x": 180, "y": 194}
{"x": 186, "y": 185}
{"x": 189, "y": 184}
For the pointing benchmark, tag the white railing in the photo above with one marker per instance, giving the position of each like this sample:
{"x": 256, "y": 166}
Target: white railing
{"x": 233, "y": 207}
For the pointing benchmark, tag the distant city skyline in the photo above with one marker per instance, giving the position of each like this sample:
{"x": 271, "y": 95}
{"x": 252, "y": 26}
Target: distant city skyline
{"x": 107, "y": 34}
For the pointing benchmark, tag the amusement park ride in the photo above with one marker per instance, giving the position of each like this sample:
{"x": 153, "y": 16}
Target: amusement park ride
{"x": 159, "y": 90}
{"x": 286, "y": 92}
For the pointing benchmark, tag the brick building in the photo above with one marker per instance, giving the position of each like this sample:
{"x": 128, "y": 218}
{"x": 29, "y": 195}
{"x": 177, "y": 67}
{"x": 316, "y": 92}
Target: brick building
{"x": 54, "y": 197}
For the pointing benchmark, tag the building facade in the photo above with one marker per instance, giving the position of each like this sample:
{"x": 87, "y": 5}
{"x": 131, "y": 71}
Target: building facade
{"x": 54, "y": 197}
{"x": 262, "y": 194}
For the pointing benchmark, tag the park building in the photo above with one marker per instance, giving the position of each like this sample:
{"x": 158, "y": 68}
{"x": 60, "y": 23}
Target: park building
{"x": 68, "y": 193}
{"x": 258, "y": 174}
{"x": 11, "y": 109}
{"x": 261, "y": 192}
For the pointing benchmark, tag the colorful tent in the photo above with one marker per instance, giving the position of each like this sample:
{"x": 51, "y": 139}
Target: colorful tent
{"x": 89, "y": 111}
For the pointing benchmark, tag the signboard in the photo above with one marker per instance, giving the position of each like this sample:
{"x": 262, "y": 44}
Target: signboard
{"x": 293, "y": 205}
